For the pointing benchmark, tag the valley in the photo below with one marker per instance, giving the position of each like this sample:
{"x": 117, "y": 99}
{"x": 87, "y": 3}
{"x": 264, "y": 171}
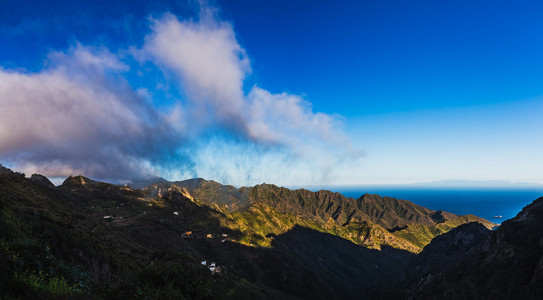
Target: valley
{"x": 90, "y": 238}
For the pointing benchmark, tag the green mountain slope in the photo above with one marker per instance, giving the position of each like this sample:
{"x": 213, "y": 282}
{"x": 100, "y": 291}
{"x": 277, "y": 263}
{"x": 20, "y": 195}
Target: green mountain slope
{"x": 371, "y": 220}
{"x": 92, "y": 239}
{"x": 87, "y": 238}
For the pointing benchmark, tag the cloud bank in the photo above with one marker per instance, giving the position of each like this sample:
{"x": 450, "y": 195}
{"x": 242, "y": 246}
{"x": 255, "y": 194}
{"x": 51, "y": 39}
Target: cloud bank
{"x": 83, "y": 114}
{"x": 76, "y": 117}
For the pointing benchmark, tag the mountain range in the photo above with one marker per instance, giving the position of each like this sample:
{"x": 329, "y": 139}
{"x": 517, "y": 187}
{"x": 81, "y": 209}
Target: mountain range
{"x": 201, "y": 239}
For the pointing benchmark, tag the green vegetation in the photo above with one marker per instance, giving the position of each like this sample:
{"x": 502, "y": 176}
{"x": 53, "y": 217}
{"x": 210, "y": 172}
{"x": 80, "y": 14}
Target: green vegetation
{"x": 166, "y": 281}
{"x": 32, "y": 269}
{"x": 371, "y": 221}
{"x": 92, "y": 239}
{"x": 421, "y": 235}
{"x": 260, "y": 223}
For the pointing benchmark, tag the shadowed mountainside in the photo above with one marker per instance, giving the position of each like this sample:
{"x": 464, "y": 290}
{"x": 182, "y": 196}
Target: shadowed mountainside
{"x": 507, "y": 265}
{"x": 443, "y": 252}
{"x": 89, "y": 238}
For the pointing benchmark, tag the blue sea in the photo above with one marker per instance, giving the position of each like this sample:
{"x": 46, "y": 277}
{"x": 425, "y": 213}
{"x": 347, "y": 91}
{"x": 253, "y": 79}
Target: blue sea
{"x": 483, "y": 202}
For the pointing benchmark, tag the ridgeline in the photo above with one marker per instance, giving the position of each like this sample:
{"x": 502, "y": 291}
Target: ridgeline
{"x": 201, "y": 239}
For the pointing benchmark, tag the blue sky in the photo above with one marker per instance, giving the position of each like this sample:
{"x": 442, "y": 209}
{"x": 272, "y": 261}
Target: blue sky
{"x": 285, "y": 92}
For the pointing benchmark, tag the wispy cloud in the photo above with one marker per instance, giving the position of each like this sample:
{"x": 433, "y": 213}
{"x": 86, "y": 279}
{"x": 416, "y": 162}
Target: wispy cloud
{"x": 81, "y": 115}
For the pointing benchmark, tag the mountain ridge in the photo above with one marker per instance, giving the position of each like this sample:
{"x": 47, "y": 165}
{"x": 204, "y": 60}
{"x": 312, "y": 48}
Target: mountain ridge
{"x": 269, "y": 241}
{"x": 362, "y": 214}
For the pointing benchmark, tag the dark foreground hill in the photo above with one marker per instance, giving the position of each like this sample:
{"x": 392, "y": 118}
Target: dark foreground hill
{"x": 471, "y": 262}
{"x": 508, "y": 264}
{"x": 88, "y": 238}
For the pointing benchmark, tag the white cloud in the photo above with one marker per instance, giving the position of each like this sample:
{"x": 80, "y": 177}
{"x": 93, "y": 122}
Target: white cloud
{"x": 279, "y": 131}
{"x": 73, "y": 117}
{"x": 207, "y": 60}
{"x": 80, "y": 115}
{"x": 285, "y": 118}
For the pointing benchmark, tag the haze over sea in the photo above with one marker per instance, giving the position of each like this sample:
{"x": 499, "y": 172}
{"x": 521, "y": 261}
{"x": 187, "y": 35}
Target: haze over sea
{"x": 485, "y": 202}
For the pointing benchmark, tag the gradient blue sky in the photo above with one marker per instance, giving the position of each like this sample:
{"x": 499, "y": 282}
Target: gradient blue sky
{"x": 387, "y": 91}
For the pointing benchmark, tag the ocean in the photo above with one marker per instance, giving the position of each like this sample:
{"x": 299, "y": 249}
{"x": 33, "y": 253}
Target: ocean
{"x": 488, "y": 203}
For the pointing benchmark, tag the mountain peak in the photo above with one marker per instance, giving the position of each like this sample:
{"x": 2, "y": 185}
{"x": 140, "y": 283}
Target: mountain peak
{"x": 77, "y": 180}
{"x": 4, "y": 170}
{"x": 42, "y": 180}
{"x": 141, "y": 183}
{"x": 530, "y": 213}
